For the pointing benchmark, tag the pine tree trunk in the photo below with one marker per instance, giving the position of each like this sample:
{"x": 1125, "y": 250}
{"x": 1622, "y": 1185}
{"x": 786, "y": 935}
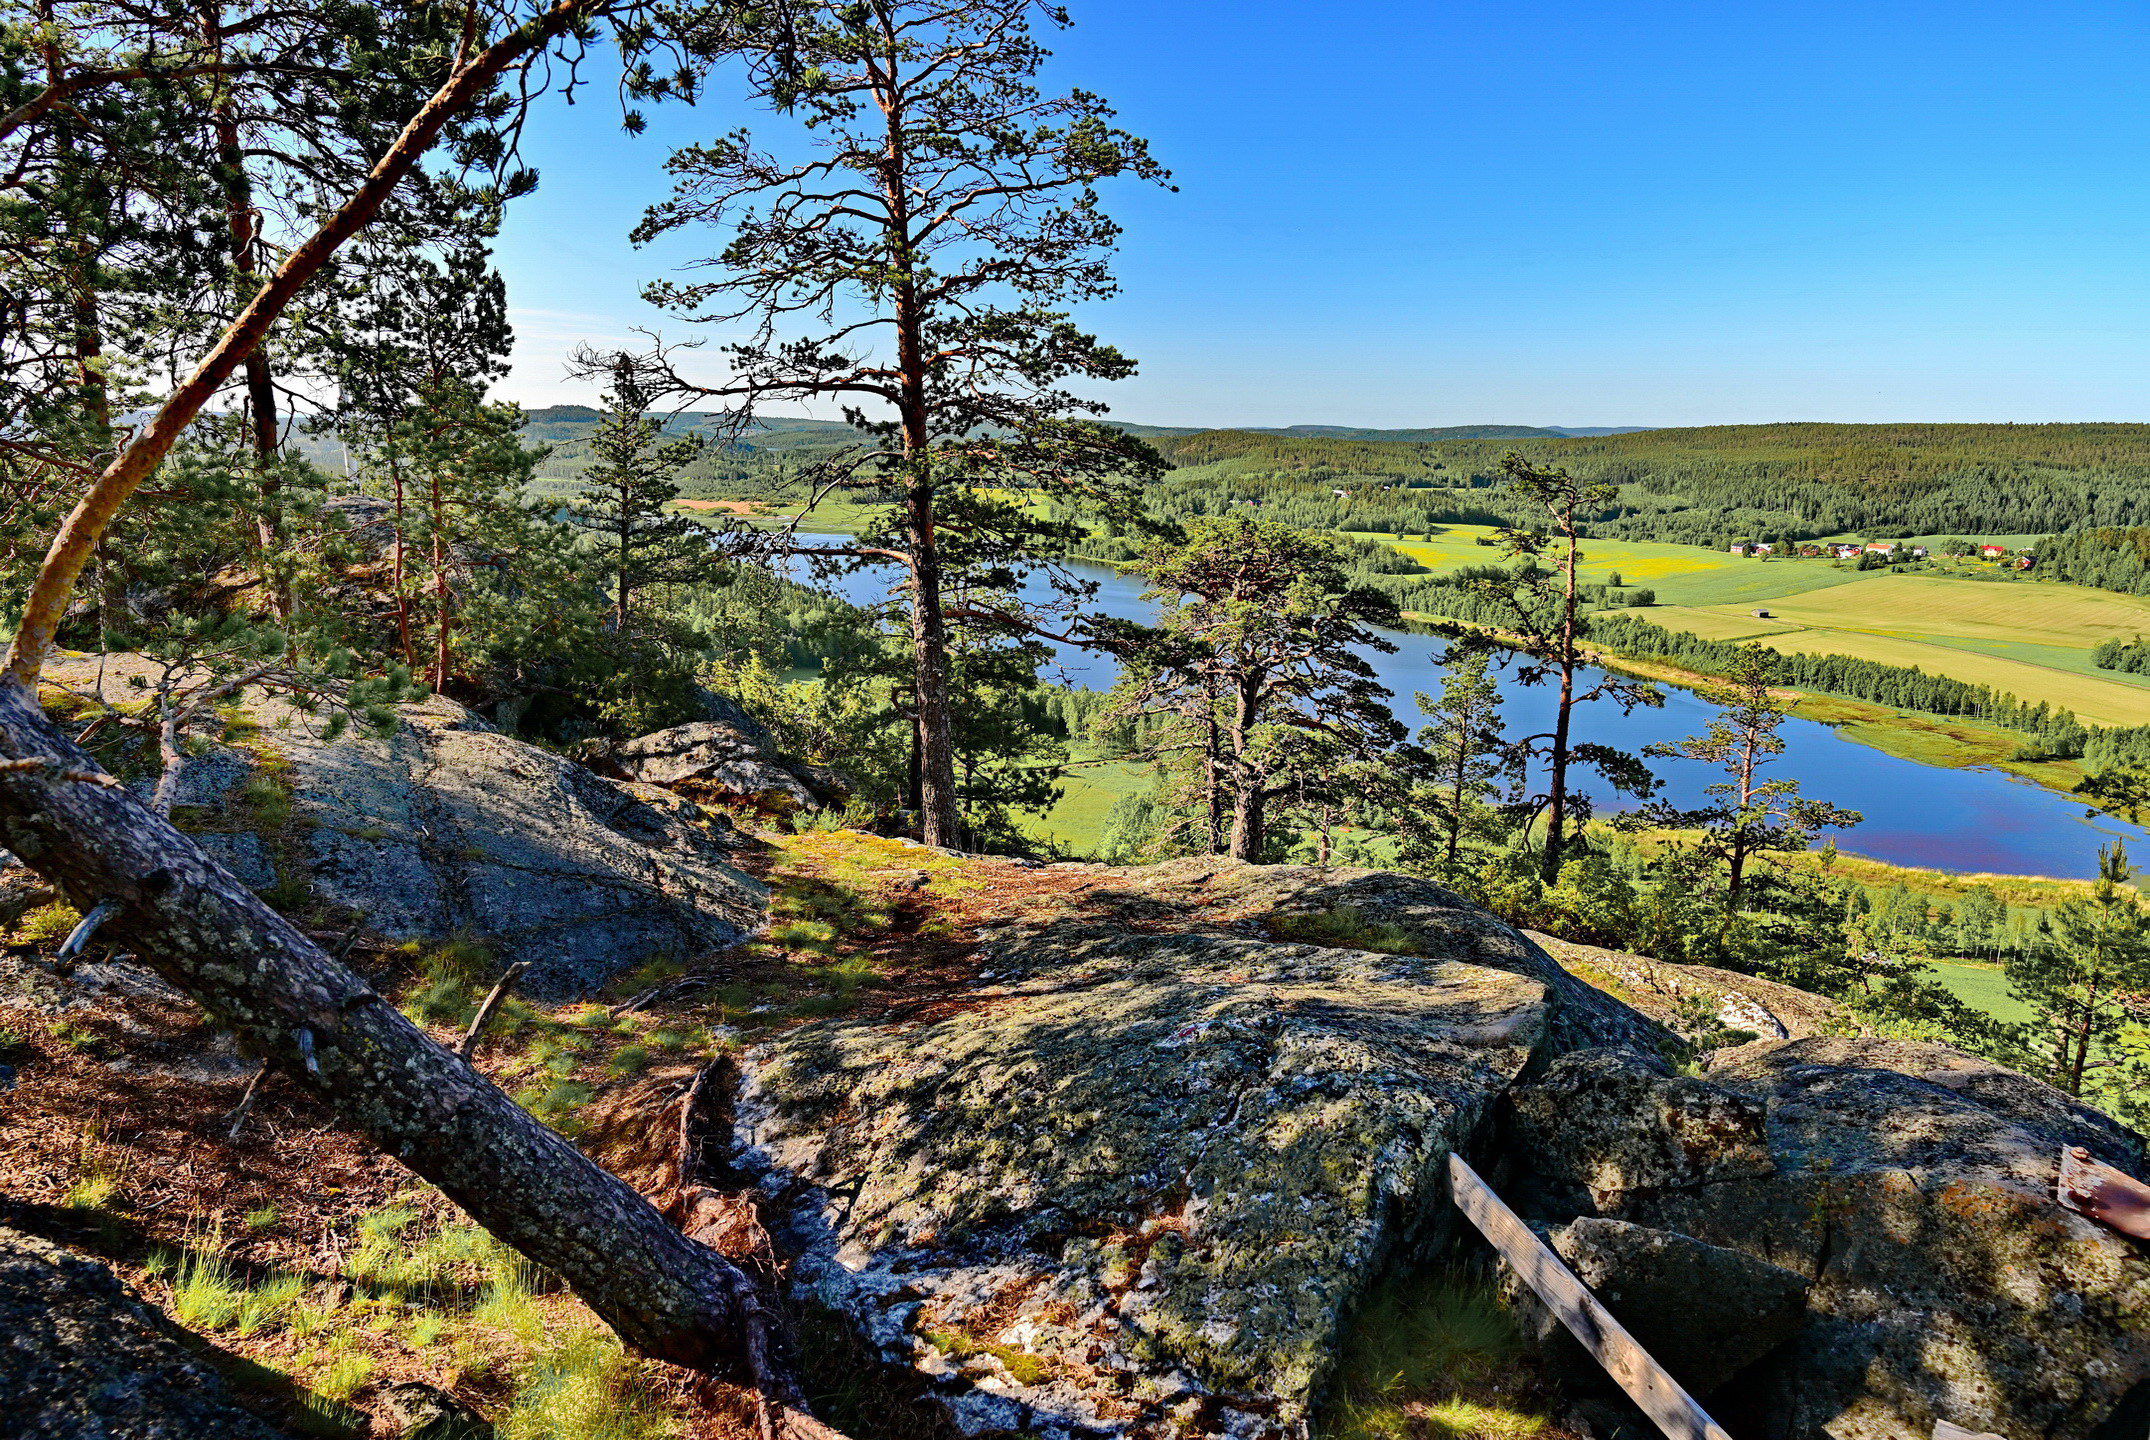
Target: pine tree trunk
{"x": 938, "y": 820}
{"x": 241, "y": 227}
{"x": 1212, "y": 765}
{"x": 1557, "y": 802}
{"x": 1248, "y": 821}
{"x": 440, "y": 590}
{"x": 337, "y": 1039}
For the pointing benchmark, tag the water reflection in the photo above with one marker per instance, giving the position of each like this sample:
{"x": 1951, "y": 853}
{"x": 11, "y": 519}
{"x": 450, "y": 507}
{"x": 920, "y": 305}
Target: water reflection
{"x": 1963, "y": 820}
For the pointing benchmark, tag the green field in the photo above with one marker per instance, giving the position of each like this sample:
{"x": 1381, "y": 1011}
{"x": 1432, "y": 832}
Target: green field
{"x": 2024, "y": 638}
{"x": 1680, "y": 574}
{"x": 1088, "y": 793}
{"x": 2028, "y": 639}
{"x": 1982, "y": 987}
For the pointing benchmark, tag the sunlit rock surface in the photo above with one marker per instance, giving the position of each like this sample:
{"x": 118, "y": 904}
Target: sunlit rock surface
{"x": 1139, "y": 1182}
{"x": 447, "y": 827}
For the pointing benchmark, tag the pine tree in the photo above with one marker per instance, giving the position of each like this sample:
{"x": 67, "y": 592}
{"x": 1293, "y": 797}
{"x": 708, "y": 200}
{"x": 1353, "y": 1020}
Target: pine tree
{"x": 1540, "y": 615}
{"x": 1461, "y": 759}
{"x": 1747, "y": 816}
{"x": 624, "y": 497}
{"x": 1265, "y": 619}
{"x": 2088, "y": 986}
{"x": 909, "y": 257}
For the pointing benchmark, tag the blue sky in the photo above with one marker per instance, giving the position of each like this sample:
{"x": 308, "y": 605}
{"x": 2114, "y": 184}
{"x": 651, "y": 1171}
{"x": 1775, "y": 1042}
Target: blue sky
{"x": 1397, "y": 214}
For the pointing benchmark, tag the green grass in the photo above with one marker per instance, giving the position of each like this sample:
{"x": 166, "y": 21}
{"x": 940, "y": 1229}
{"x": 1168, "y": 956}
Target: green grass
{"x": 1982, "y": 987}
{"x": 830, "y": 517}
{"x": 476, "y": 1307}
{"x": 1088, "y": 793}
{"x": 1435, "y": 1356}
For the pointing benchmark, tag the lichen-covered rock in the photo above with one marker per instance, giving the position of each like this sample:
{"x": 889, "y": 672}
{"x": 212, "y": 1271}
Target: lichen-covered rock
{"x": 1139, "y": 1183}
{"x": 1703, "y": 1311}
{"x": 81, "y": 1359}
{"x": 1914, "y": 1186}
{"x": 1379, "y": 909}
{"x": 1614, "y": 1124}
{"x": 447, "y": 827}
{"x": 728, "y": 760}
{"x": 1670, "y": 993}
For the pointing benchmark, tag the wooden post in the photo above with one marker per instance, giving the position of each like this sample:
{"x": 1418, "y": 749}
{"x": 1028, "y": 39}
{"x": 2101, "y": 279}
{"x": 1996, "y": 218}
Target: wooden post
{"x": 1661, "y": 1397}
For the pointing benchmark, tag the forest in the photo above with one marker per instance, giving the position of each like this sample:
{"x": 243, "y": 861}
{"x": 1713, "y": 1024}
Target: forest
{"x": 297, "y": 596}
{"x": 1698, "y": 486}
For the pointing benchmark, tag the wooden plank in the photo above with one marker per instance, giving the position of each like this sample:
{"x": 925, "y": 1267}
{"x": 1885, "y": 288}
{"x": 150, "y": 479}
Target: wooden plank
{"x": 1661, "y": 1397}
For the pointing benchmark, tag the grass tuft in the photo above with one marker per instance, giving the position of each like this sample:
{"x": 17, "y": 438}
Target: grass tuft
{"x": 584, "y": 1385}
{"x": 1437, "y": 1358}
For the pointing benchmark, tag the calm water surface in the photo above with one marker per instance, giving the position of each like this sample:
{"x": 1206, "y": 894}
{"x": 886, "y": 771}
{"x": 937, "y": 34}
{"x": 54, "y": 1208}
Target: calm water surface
{"x": 1965, "y": 820}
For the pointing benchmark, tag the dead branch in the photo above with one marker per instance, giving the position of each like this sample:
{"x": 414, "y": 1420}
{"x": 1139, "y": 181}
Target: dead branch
{"x": 469, "y": 1045}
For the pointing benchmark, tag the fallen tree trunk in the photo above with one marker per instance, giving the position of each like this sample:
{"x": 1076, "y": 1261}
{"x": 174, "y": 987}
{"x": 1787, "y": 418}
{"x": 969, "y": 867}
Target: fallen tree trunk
{"x": 327, "y": 1029}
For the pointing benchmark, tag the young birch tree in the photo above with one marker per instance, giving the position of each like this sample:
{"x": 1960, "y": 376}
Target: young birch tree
{"x": 911, "y": 265}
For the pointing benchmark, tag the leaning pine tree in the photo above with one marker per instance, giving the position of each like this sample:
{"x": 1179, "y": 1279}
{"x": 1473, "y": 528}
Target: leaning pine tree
{"x": 906, "y": 259}
{"x": 157, "y": 893}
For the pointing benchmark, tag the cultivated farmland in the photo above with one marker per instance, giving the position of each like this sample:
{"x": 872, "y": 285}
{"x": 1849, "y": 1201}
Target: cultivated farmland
{"x": 2025, "y": 638}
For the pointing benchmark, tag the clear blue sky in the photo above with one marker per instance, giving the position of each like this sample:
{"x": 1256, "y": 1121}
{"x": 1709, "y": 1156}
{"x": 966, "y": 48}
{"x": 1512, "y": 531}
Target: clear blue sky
{"x": 1533, "y": 212}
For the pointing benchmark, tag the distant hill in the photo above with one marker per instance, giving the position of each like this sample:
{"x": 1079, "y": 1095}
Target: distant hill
{"x": 1703, "y": 484}
{"x": 1346, "y": 432}
{"x": 557, "y": 423}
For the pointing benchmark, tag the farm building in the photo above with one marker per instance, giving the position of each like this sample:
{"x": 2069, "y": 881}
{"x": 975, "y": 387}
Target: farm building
{"x": 1992, "y": 552}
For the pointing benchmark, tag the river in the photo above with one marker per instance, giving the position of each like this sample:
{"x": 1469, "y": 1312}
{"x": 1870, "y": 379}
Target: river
{"x": 1978, "y": 820}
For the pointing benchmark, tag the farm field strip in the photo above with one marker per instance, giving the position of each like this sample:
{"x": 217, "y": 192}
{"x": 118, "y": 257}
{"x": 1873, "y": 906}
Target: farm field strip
{"x": 2099, "y": 701}
{"x": 1680, "y": 574}
{"x": 2067, "y": 615}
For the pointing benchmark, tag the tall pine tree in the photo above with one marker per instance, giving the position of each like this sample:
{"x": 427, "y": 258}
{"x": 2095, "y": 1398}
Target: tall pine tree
{"x": 625, "y": 494}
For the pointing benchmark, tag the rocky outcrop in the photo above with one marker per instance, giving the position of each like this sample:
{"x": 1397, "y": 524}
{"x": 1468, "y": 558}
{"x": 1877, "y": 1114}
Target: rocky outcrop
{"x": 1376, "y": 909}
{"x": 446, "y": 827}
{"x": 1675, "y": 995}
{"x": 1913, "y": 1187}
{"x": 1139, "y": 1181}
{"x": 725, "y": 760}
{"x": 1705, "y": 1312}
{"x": 81, "y": 1359}
{"x": 1605, "y": 1125}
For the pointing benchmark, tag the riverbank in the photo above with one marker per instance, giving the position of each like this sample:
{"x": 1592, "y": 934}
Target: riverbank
{"x": 1947, "y": 742}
